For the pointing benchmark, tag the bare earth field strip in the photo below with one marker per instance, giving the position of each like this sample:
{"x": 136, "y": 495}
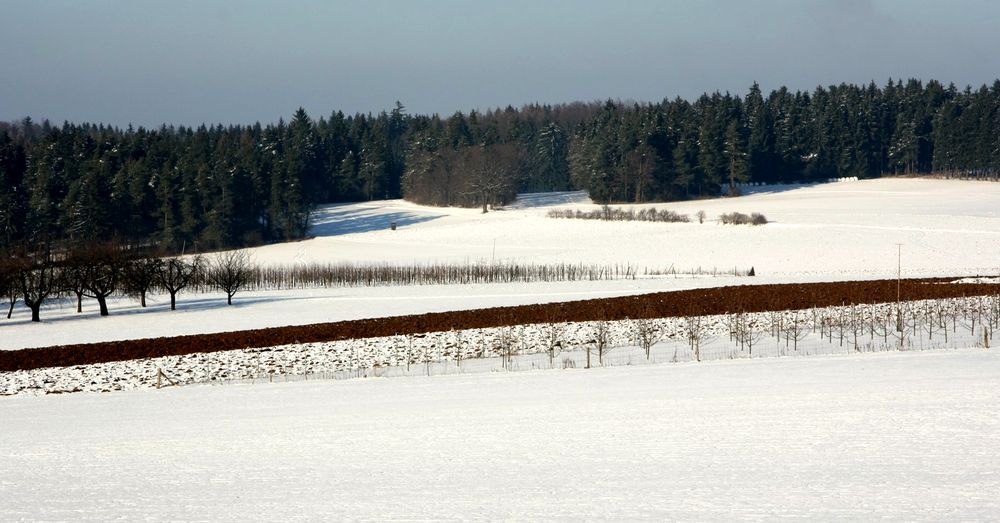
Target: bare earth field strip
{"x": 695, "y": 302}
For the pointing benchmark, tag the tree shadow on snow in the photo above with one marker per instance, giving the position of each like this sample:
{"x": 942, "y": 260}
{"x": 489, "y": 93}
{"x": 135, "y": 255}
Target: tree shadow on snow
{"x": 62, "y": 311}
{"x": 335, "y": 221}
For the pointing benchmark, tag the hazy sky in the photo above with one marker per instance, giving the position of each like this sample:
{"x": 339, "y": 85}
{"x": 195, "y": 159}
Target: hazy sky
{"x": 188, "y": 62}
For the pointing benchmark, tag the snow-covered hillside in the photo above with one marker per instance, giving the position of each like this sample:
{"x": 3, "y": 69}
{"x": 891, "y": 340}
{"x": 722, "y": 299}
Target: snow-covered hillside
{"x": 857, "y": 436}
{"x": 838, "y": 230}
{"x": 899, "y": 436}
{"x": 842, "y": 230}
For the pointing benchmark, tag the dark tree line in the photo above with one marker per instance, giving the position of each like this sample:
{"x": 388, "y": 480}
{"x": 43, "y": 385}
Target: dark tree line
{"x": 192, "y": 189}
{"x": 678, "y": 149}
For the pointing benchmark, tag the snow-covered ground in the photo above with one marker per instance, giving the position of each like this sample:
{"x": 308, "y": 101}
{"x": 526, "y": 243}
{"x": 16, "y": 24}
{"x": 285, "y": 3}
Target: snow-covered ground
{"x": 928, "y": 325}
{"x": 898, "y": 436}
{"x": 838, "y": 230}
{"x": 839, "y": 435}
{"x": 842, "y": 230}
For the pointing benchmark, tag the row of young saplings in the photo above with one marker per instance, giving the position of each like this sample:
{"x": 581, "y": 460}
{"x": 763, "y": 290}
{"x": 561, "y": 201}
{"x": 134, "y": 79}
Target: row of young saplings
{"x": 107, "y": 270}
{"x": 961, "y": 322}
{"x": 357, "y": 275}
{"x": 849, "y": 328}
{"x": 942, "y": 323}
{"x": 652, "y": 214}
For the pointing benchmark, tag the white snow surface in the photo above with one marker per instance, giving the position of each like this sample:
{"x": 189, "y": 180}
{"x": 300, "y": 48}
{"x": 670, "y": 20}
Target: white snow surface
{"x": 898, "y": 436}
{"x": 838, "y": 230}
{"x": 929, "y": 325}
{"x": 850, "y": 436}
{"x": 834, "y": 231}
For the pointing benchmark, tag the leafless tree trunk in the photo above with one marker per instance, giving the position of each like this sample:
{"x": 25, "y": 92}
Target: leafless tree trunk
{"x": 696, "y": 329}
{"x": 795, "y": 331}
{"x": 230, "y": 272}
{"x": 943, "y": 310}
{"x": 176, "y": 274}
{"x": 140, "y": 276}
{"x": 930, "y": 321}
{"x": 493, "y": 172}
{"x": 458, "y": 347}
{"x": 505, "y": 346}
{"x": 409, "y": 351}
{"x": 648, "y": 332}
{"x": 39, "y": 280}
{"x": 857, "y": 325}
{"x": 73, "y": 276}
{"x": 600, "y": 334}
{"x": 102, "y": 270}
{"x": 552, "y": 334}
{"x": 747, "y": 331}
{"x": 9, "y": 287}
{"x": 882, "y": 323}
{"x": 904, "y": 321}
{"x": 989, "y": 318}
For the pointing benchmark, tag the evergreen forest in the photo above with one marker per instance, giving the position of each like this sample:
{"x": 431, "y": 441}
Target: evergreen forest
{"x": 211, "y": 187}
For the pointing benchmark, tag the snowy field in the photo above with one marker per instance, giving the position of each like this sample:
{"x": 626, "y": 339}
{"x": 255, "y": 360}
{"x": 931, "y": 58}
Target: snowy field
{"x": 842, "y": 230}
{"x": 927, "y": 325}
{"x": 838, "y": 435}
{"x": 898, "y": 436}
{"x": 838, "y": 230}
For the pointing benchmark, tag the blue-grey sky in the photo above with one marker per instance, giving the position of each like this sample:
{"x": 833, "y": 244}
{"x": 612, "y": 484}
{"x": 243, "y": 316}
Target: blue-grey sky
{"x": 193, "y": 61}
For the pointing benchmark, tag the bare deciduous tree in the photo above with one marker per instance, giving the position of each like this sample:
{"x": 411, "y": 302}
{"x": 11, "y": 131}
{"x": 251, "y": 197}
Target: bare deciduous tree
{"x": 906, "y": 324}
{"x": 599, "y": 339}
{"x": 73, "y": 276}
{"x": 102, "y": 269}
{"x": 989, "y": 317}
{"x": 881, "y": 322}
{"x": 493, "y": 173}
{"x": 230, "y": 271}
{"x": 38, "y": 279}
{"x": 695, "y": 329}
{"x": 795, "y": 330}
{"x": 506, "y": 346}
{"x": 552, "y": 336}
{"x": 856, "y": 324}
{"x": 648, "y": 332}
{"x": 177, "y": 273}
{"x": 747, "y": 331}
{"x": 9, "y": 288}
{"x": 458, "y": 346}
{"x": 141, "y": 275}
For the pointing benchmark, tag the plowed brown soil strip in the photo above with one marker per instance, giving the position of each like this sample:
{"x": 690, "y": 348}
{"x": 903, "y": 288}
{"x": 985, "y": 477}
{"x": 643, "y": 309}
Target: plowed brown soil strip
{"x": 718, "y": 300}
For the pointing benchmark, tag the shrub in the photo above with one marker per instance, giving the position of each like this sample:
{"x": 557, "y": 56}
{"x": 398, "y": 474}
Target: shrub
{"x": 738, "y": 218}
{"x": 618, "y": 214}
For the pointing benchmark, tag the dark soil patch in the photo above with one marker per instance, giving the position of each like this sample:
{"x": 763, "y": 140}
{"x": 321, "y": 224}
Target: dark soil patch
{"x": 717, "y": 300}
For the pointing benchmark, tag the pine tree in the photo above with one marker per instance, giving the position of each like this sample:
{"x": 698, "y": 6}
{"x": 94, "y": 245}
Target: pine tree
{"x": 551, "y": 160}
{"x": 735, "y": 150}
